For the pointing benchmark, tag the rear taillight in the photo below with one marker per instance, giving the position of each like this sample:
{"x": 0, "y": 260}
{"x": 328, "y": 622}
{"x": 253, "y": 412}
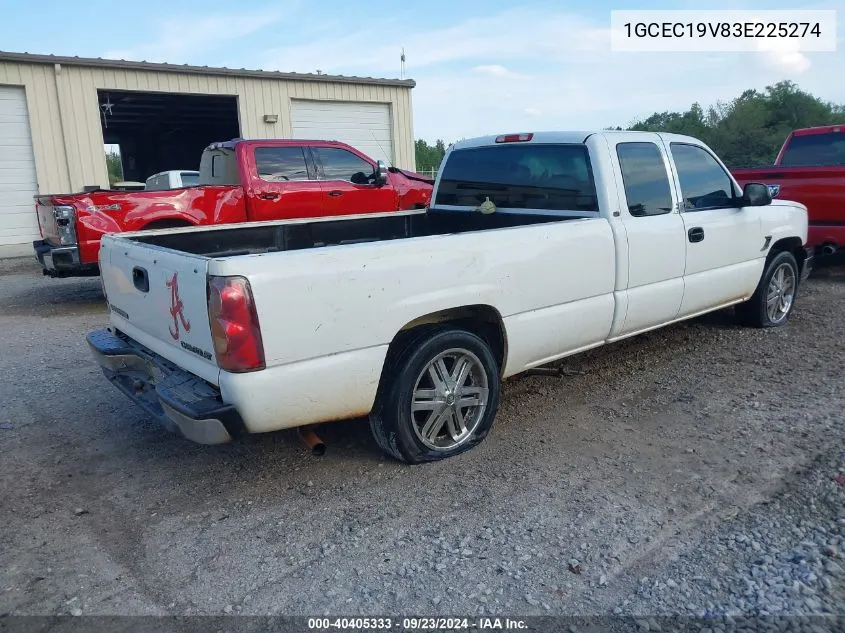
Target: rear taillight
{"x": 66, "y": 224}
{"x": 234, "y": 324}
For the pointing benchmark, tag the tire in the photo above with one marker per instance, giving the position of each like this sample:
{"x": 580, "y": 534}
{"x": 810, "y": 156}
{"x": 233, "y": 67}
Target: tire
{"x": 424, "y": 373}
{"x": 782, "y": 270}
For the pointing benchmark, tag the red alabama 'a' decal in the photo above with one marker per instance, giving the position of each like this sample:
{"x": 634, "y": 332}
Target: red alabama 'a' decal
{"x": 176, "y": 308}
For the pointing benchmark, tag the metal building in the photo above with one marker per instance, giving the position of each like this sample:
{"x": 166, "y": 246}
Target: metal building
{"x": 57, "y": 114}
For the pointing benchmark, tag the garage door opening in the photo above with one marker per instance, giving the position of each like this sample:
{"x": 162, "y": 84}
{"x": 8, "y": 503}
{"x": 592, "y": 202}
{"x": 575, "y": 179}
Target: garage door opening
{"x": 159, "y": 131}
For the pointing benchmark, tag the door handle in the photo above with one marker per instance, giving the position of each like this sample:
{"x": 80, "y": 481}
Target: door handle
{"x": 268, "y": 196}
{"x": 695, "y": 234}
{"x": 335, "y": 193}
{"x": 140, "y": 279}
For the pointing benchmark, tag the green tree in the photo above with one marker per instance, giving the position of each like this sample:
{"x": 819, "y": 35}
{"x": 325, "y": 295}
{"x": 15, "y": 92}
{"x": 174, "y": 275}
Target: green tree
{"x": 750, "y": 129}
{"x": 115, "y": 167}
{"x": 429, "y": 157}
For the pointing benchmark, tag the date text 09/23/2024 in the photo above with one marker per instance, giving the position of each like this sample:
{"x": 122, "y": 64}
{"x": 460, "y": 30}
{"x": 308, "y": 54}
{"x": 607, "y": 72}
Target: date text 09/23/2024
{"x": 416, "y": 624}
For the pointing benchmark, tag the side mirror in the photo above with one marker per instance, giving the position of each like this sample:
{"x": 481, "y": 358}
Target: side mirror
{"x": 381, "y": 173}
{"x": 756, "y": 194}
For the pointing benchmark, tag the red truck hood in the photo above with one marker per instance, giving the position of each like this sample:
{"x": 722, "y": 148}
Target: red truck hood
{"x": 820, "y": 189}
{"x": 412, "y": 175}
{"x": 413, "y": 190}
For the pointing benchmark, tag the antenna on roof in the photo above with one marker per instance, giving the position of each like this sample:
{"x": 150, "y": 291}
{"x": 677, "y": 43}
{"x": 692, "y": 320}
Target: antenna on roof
{"x": 402, "y": 64}
{"x": 383, "y": 153}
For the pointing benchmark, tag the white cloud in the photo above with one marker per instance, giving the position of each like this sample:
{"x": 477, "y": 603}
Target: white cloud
{"x": 792, "y": 64}
{"x": 495, "y": 70}
{"x": 784, "y": 56}
{"x": 550, "y": 36}
{"x": 184, "y": 39}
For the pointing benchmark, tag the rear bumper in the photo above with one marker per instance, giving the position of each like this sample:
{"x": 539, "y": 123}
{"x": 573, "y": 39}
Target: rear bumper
{"x": 180, "y": 401}
{"x": 62, "y": 261}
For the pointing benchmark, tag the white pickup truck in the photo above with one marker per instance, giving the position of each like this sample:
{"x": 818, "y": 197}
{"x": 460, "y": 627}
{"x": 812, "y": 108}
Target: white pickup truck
{"x": 535, "y": 247}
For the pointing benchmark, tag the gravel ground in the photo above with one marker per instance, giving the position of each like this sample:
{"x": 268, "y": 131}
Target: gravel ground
{"x": 695, "y": 470}
{"x": 782, "y": 557}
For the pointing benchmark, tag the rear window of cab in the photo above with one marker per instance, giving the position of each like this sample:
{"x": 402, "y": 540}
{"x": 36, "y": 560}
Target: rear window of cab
{"x": 530, "y": 176}
{"x": 815, "y": 150}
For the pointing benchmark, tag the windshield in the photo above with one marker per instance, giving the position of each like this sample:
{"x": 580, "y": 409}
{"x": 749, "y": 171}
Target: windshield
{"x": 815, "y": 150}
{"x": 555, "y": 177}
{"x": 190, "y": 178}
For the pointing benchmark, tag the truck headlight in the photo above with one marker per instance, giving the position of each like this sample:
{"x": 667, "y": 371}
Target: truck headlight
{"x": 65, "y": 222}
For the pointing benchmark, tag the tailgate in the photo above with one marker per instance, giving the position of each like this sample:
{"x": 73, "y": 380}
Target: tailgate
{"x": 47, "y": 220}
{"x": 158, "y": 297}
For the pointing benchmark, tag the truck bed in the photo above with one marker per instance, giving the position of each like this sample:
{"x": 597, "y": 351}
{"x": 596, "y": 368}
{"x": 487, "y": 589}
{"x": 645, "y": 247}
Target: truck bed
{"x": 297, "y": 235}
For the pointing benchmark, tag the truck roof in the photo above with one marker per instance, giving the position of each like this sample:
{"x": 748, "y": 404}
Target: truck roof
{"x": 821, "y": 129}
{"x": 569, "y": 136}
{"x": 267, "y": 141}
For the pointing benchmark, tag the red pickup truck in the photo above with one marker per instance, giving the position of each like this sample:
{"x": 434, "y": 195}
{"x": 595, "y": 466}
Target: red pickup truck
{"x": 810, "y": 169}
{"x": 240, "y": 181}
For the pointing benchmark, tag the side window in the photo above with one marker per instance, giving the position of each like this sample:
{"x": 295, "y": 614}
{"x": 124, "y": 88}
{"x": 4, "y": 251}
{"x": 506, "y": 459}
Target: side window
{"x": 338, "y": 164}
{"x": 190, "y": 178}
{"x": 281, "y": 164}
{"x": 704, "y": 184}
{"x": 647, "y": 187}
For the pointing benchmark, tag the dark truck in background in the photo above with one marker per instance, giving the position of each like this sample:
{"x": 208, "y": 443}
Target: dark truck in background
{"x": 810, "y": 169}
{"x": 239, "y": 181}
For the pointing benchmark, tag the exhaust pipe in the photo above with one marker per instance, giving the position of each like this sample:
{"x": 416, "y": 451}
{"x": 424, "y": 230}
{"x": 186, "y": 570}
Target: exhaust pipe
{"x": 311, "y": 440}
{"x": 829, "y": 249}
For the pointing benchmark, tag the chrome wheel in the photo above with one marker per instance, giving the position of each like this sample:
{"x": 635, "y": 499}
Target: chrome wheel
{"x": 781, "y": 293}
{"x": 449, "y": 399}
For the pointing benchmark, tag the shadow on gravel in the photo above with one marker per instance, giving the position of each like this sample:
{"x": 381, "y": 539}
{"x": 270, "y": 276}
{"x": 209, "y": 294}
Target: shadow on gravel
{"x": 343, "y": 439}
{"x": 55, "y": 297}
{"x": 250, "y": 455}
{"x": 832, "y": 269}
{"x": 721, "y": 319}
{"x": 837, "y": 276}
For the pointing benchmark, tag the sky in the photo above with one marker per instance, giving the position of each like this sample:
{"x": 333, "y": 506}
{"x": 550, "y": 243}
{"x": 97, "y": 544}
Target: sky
{"x": 480, "y": 67}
